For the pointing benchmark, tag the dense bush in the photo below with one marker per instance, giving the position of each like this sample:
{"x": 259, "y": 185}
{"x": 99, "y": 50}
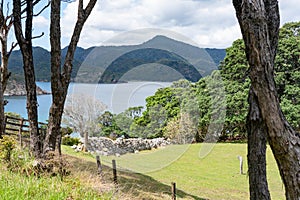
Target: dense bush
{"x": 7, "y": 145}
{"x": 217, "y": 104}
{"x": 70, "y": 141}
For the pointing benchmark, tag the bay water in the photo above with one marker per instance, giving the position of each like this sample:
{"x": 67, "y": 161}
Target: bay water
{"x": 117, "y": 97}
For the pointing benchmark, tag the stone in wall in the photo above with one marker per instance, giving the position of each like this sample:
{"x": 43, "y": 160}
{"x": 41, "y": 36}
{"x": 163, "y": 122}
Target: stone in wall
{"x": 120, "y": 146}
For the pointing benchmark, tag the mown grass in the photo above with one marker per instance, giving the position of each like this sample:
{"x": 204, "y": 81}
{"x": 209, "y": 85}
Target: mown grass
{"x": 146, "y": 175}
{"x": 215, "y": 176}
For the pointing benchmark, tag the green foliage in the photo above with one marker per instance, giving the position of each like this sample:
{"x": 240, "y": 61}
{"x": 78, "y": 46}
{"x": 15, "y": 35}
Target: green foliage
{"x": 234, "y": 70}
{"x": 7, "y": 145}
{"x": 12, "y": 114}
{"x": 205, "y": 100}
{"x": 108, "y": 125}
{"x": 70, "y": 141}
{"x": 181, "y": 130}
{"x": 144, "y": 56}
{"x": 163, "y": 105}
{"x": 287, "y": 72}
{"x": 234, "y": 67}
{"x": 66, "y": 131}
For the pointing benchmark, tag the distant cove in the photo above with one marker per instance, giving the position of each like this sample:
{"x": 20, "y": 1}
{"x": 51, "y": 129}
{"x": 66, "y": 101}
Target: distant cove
{"x": 117, "y": 97}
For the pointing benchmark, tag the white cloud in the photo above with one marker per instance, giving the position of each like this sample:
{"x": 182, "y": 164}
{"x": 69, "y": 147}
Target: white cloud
{"x": 40, "y": 22}
{"x": 210, "y": 23}
{"x": 289, "y": 11}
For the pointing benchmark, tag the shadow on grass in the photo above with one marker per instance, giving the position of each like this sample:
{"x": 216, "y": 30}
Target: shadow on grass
{"x": 132, "y": 183}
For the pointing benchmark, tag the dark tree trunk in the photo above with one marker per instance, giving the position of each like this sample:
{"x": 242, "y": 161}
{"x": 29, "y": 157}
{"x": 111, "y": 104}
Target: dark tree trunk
{"x": 2, "y": 117}
{"x": 86, "y": 141}
{"x": 259, "y": 22}
{"x": 25, "y": 44}
{"x": 56, "y": 108}
{"x": 257, "y": 140}
{"x": 5, "y": 25}
{"x": 60, "y": 80}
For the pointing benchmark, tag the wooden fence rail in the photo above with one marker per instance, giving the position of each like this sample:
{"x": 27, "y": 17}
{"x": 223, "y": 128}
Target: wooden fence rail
{"x": 20, "y": 127}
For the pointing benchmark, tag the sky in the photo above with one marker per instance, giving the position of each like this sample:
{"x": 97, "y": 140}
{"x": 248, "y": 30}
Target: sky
{"x": 205, "y": 23}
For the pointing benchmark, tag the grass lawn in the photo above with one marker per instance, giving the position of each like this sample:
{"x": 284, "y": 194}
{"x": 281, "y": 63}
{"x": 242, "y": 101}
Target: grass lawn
{"x": 215, "y": 176}
{"x": 146, "y": 175}
{"x": 16, "y": 186}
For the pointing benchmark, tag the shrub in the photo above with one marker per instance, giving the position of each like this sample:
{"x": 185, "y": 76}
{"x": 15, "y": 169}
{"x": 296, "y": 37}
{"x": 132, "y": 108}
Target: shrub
{"x": 7, "y": 145}
{"x": 70, "y": 141}
{"x": 181, "y": 130}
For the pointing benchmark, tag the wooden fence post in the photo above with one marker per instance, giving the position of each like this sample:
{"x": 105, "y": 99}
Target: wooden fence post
{"x": 114, "y": 166}
{"x": 20, "y": 132}
{"x": 241, "y": 164}
{"x": 5, "y": 121}
{"x": 99, "y": 167}
{"x": 173, "y": 189}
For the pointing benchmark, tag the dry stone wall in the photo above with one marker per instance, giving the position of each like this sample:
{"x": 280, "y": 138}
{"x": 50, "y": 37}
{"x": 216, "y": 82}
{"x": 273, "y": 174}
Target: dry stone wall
{"x": 106, "y": 146}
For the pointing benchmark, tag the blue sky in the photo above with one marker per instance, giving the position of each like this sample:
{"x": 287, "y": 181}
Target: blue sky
{"x": 206, "y": 23}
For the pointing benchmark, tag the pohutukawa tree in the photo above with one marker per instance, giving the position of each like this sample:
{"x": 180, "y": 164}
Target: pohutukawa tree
{"x": 61, "y": 73}
{"x": 259, "y": 22}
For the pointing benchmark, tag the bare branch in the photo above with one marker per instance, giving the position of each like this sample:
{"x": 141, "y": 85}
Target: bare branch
{"x": 34, "y": 3}
{"x": 13, "y": 45}
{"x": 39, "y": 36}
{"x": 44, "y": 8}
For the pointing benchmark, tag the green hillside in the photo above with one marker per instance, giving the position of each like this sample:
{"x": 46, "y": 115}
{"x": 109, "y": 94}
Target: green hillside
{"x": 90, "y": 64}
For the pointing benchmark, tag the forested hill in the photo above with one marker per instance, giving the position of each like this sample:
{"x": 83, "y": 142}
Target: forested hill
{"x": 90, "y": 64}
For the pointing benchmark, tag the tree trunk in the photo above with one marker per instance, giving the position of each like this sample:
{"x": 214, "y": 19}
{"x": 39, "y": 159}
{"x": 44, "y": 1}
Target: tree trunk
{"x": 26, "y": 49}
{"x": 57, "y": 89}
{"x": 4, "y": 75}
{"x": 60, "y": 81}
{"x": 2, "y": 122}
{"x": 259, "y": 22}
{"x": 257, "y": 140}
{"x": 86, "y": 141}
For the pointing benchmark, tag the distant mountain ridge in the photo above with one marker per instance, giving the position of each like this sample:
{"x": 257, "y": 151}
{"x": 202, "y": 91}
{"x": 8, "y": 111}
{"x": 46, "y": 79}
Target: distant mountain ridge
{"x": 90, "y": 64}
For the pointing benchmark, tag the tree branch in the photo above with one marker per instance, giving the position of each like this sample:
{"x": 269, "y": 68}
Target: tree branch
{"x": 17, "y": 20}
{"x": 13, "y": 45}
{"x": 38, "y": 36}
{"x": 83, "y": 14}
{"x": 44, "y": 8}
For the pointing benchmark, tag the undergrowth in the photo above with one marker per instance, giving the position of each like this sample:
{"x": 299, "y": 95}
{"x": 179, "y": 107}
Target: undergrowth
{"x": 22, "y": 177}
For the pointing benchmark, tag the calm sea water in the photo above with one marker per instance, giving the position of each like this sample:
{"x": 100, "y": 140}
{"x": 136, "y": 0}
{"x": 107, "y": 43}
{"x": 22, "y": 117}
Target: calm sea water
{"x": 117, "y": 97}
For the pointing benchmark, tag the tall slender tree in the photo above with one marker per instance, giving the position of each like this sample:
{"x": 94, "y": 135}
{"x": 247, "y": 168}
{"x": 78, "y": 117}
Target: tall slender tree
{"x": 6, "y": 23}
{"x": 25, "y": 43}
{"x": 259, "y": 22}
{"x": 60, "y": 76}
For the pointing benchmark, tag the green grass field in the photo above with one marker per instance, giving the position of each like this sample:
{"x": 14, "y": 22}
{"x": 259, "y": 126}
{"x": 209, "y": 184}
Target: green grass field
{"x": 215, "y": 176}
{"x": 146, "y": 175}
{"x": 16, "y": 186}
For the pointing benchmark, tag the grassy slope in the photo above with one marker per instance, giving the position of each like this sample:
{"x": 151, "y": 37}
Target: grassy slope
{"x": 16, "y": 186}
{"x": 215, "y": 176}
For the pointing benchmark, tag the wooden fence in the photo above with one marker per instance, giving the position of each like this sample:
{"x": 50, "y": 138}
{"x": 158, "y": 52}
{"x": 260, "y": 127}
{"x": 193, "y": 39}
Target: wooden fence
{"x": 20, "y": 127}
